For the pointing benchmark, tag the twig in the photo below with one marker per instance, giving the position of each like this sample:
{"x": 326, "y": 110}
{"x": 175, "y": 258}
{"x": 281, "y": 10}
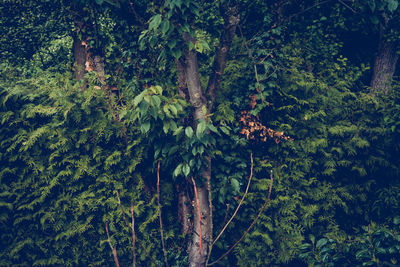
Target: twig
{"x": 309, "y": 8}
{"x": 211, "y": 209}
{"x": 113, "y": 248}
{"x": 159, "y": 215}
{"x": 251, "y": 225}
{"x": 133, "y": 235}
{"x": 240, "y": 203}
{"x": 122, "y": 209}
{"x": 132, "y": 227}
{"x": 349, "y": 7}
{"x": 254, "y": 64}
{"x": 198, "y": 214}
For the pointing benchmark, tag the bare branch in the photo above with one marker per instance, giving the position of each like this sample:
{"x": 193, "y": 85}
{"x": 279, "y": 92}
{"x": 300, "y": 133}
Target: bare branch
{"x": 113, "y": 248}
{"x": 133, "y": 235}
{"x": 159, "y": 215}
{"x": 240, "y": 203}
{"x": 251, "y": 225}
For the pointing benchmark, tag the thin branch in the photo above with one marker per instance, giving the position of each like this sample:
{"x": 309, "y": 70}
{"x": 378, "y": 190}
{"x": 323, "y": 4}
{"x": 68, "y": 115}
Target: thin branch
{"x": 309, "y": 8}
{"x": 159, "y": 215}
{"x": 122, "y": 209}
{"x": 254, "y": 64}
{"x": 133, "y": 235}
{"x": 251, "y": 225}
{"x": 113, "y": 248}
{"x": 210, "y": 239}
{"x": 240, "y": 203}
{"x": 349, "y": 7}
{"x": 198, "y": 214}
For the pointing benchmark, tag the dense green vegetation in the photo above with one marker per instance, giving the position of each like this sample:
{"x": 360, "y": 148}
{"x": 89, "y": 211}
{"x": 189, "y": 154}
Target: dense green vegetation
{"x": 199, "y": 133}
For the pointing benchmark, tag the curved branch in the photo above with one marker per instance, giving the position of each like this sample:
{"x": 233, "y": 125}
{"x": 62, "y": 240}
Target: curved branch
{"x": 251, "y": 225}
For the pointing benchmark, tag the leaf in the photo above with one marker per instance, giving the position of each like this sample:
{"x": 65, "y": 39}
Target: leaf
{"x": 174, "y": 110}
{"x": 321, "y": 242}
{"x": 99, "y": 2}
{"x": 171, "y": 43}
{"x": 392, "y": 5}
{"x": 176, "y": 53}
{"x": 178, "y": 130}
{"x": 186, "y": 169}
{"x": 235, "y": 184}
{"x": 164, "y": 26}
{"x": 155, "y": 22}
{"x": 225, "y": 130}
{"x": 166, "y": 127}
{"x": 138, "y": 98}
{"x": 372, "y": 5}
{"x": 212, "y": 128}
{"x": 156, "y": 99}
{"x": 178, "y": 170}
{"x": 189, "y": 132}
{"x": 145, "y": 127}
{"x": 200, "y": 128}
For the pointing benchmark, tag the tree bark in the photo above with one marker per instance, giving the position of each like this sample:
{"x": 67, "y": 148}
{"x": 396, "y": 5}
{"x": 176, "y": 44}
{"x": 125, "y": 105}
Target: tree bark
{"x": 385, "y": 65}
{"x": 197, "y": 256}
{"x": 79, "y": 59}
{"x": 231, "y": 18}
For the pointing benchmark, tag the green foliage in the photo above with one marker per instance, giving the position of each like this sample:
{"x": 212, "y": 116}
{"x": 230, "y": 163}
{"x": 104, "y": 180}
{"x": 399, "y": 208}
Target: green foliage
{"x": 373, "y": 245}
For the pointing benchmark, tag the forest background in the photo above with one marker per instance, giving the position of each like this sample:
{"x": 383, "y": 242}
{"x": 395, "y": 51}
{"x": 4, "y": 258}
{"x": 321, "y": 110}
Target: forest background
{"x": 191, "y": 132}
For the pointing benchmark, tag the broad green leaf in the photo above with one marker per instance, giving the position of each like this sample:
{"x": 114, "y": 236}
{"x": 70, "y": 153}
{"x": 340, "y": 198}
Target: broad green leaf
{"x": 156, "y": 100}
{"x": 392, "y": 5}
{"x": 235, "y": 184}
{"x": 178, "y": 130}
{"x": 166, "y": 127}
{"x": 186, "y": 170}
{"x": 178, "y": 170}
{"x": 164, "y": 26}
{"x": 189, "y": 132}
{"x": 145, "y": 127}
{"x": 171, "y": 43}
{"x": 321, "y": 242}
{"x": 212, "y": 128}
{"x": 155, "y": 22}
{"x": 173, "y": 109}
{"x": 138, "y": 98}
{"x": 200, "y": 128}
{"x": 176, "y": 53}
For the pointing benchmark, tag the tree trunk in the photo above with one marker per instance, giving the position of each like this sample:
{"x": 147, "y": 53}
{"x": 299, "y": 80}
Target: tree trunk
{"x": 79, "y": 51}
{"x": 384, "y": 66}
{"x": 198, "y": 253}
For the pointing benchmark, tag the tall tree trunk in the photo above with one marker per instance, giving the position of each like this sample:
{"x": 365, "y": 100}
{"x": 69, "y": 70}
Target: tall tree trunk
{"x": 385, "y": 64}
{"x": 198, "y": 248}
{"x": 189, "y": 78}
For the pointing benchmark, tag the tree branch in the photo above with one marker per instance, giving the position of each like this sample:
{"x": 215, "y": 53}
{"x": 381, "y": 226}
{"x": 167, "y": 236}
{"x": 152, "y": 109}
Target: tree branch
{"x": 234, "y": 214}
{"x": 113, "y": 248}
{"x": 231, "y": 17}
{"x": 251, "y": 225}
{"x": 159, "y": 214}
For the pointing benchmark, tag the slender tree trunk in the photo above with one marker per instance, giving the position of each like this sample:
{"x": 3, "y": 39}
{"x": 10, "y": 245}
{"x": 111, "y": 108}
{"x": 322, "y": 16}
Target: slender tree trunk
{"x": 198, "y": 253}
{"x": 385, "y": 65}
{"x": 79, "y": 52}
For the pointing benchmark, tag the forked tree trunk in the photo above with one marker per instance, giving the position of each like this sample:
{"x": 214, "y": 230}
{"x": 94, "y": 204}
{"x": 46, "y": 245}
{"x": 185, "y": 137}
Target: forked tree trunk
{"x": 189, "y": 78}
{"x": 198, "y": 253}
{"x": 385, "y": 65}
